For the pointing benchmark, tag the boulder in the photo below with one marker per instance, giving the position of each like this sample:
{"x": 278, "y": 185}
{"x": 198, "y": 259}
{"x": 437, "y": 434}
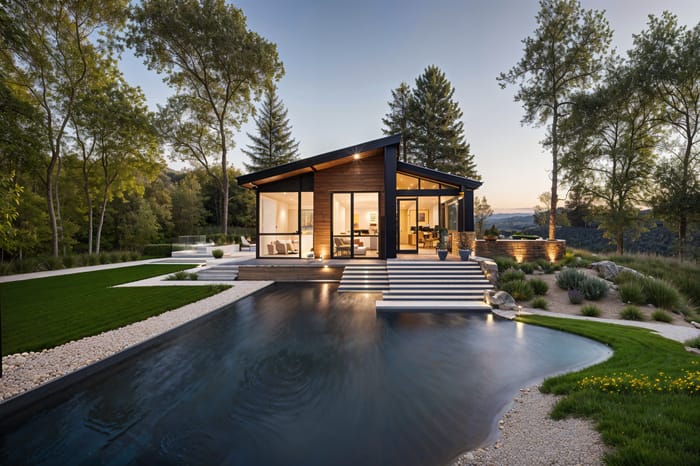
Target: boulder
{"x": 501, "y": 300}
{"x": 606, "y": 269}
{"x": 490, "y": 270}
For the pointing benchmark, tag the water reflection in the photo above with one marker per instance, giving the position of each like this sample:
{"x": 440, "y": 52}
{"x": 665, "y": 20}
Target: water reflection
{"x": 302, "y": 375}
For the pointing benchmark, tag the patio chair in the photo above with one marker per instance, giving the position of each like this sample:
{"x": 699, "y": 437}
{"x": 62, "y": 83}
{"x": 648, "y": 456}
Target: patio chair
{"x": 245, "y": 244}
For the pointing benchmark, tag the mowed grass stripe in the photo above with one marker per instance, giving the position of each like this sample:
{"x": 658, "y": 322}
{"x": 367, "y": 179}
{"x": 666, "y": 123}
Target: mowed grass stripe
{"x": 46, "y": 312}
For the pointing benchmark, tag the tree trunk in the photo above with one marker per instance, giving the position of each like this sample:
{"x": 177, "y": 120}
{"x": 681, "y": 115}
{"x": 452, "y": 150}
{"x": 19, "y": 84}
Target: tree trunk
{"x": 620, "y": 243}
{"x": 50, "y": 206}
{"x": 88, "y": 201}
{"x": 101, "y": 222}
{"x": 224, "y": 179}
{"x": 682, "y": 232}
{"x": 555, "y": 168}
{"x": 59, "y": 219}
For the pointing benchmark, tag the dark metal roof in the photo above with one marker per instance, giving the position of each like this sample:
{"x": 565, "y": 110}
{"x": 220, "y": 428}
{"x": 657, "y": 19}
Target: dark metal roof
{"x": 312, "y": 164}
{"x": 435, "y": 175}
{"x": 309, "y": 164}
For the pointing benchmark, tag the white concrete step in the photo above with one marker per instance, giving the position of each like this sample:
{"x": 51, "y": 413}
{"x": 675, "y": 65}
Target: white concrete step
{"x": 431, "y": 306}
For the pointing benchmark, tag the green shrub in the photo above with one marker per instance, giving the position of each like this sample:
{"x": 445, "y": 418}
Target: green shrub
{"x": 693, "y": 342}
{"x": 180, "y": 275}
{"x": 661, "y": 293}
{"x": 661, "y": 316}
{"x": 626, "y": 277}
{"x": 632, "y": 292}
{"x": 157, "y": 250}
{"x": 546, "y": 266}
{"x": 92, "y": 259}
{"x": 520, "y": 290}
{"x": 594, "y": 289}
{"x": 217, "y": 253}
{"x": 631, "y": 313}
{"x": 539, "y": 286}
{"x": 125, "y": 257}
{"x": 134, "y": 256}
{"x": 527, "y": 267}
{"x": 504, "y": 263}
{"x": 68, "y": 261}
{"x": 114, "y": 257}
{"x": 217, "y": 238}
{"x": 590, "y": 310}
{"x": 570, "y": 279}
{"x": 511, "y": 274}
{"x": 194, "y": 276}
{"x": 575, "y": 296}
{"x": 54, "y": 263}
{"x": 104, "y": 258}
{"x": 539, "y": 303}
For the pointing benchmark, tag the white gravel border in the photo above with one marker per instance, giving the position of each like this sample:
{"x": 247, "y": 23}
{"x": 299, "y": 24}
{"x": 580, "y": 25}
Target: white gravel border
{"x": 530, "y": 437}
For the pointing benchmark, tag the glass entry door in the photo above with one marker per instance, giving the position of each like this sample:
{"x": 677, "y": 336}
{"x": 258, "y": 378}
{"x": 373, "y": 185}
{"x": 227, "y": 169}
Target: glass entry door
{"x": 407, "y": 213}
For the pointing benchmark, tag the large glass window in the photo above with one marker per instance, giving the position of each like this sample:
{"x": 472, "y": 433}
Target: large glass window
{"x": 355, "y": 228}
{"x": 279, "y": 217}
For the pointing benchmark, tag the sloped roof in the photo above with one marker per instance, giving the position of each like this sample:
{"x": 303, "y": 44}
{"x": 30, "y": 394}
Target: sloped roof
{"x": 318, "y": 162}
{"x": 435, "y": 175}
{"x": 362, "y": 150}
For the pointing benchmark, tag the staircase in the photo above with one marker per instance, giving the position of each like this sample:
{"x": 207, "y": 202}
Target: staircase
{"x": 421, "y": 286}
{"x": 364, "y": 278}
{"x": 219, "y": 273}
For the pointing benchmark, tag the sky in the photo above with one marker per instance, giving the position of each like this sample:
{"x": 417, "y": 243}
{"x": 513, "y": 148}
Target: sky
{"x": 343, "y": 58}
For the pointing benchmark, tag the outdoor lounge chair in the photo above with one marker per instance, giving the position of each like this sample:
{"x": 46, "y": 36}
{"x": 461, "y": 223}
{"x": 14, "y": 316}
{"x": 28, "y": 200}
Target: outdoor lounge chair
{"x": 245, "y": 244}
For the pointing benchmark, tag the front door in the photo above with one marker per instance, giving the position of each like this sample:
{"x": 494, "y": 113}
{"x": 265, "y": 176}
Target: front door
{"x": 407, "y": 213}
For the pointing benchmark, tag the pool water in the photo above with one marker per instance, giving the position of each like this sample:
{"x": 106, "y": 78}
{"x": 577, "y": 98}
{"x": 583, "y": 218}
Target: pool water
{"x": 302, "y": 375}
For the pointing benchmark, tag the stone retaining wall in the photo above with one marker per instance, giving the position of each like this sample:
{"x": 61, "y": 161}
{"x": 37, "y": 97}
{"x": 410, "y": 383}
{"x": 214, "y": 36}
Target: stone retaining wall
{"x": 523, "y": 250}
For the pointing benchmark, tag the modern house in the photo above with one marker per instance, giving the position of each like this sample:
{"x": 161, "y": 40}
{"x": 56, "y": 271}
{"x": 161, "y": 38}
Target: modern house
{"x": 358, "y": 202}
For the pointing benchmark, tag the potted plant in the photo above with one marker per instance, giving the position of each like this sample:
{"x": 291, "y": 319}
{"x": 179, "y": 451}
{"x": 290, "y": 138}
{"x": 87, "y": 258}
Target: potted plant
{"x": 464, "y": 250}
{"x": 442, "y": 250}
{"x": 442, "y": 244}
{"x": 491, "y": 234}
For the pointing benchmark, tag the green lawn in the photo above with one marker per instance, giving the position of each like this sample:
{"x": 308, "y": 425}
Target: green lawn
{"x": 46, "y": 312}
{"x": 645, "y": 400}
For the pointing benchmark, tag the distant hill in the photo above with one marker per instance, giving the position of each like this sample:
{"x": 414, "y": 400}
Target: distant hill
{"x": 510, "y": 221}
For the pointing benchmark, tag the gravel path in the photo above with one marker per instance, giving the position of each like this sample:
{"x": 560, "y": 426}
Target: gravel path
{"x": 531, "y": 438}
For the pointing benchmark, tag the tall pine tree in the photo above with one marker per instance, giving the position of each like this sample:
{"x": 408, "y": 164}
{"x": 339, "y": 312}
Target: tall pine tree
{"x": 273, "y": 145}
{"x": 438, "y": 133}
{"x": 398, "y": 120}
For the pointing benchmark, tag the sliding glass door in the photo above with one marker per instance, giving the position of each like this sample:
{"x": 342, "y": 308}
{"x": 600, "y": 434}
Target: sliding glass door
{"x": 354, "y": 225}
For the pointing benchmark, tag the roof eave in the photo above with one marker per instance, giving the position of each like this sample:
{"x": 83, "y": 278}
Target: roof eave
{"x": 300, "y": 166}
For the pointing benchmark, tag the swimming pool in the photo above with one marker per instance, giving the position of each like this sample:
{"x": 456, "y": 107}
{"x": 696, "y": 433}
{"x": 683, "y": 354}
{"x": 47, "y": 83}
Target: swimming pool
{"x": 302, "y": 375}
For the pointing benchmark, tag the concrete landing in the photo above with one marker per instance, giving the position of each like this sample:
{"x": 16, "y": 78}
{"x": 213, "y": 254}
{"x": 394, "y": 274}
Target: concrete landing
{"x": 432, "y": 306}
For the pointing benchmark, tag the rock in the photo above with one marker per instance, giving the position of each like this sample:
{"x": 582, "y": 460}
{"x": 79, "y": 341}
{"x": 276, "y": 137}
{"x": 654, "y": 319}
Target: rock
{"x": 695, "y": 324}
{"x": 490, "y": 270}
{"x": 501, "y": 300}
{"x": 606, "y": 269}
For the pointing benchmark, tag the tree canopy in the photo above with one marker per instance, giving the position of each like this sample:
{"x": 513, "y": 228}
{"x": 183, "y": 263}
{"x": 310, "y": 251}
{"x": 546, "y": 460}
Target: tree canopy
{"x": 211, "y": 58}
{"x": 429, "y": 121}
{"x": 564, "y": 55}
{"x": 273, "y": 144}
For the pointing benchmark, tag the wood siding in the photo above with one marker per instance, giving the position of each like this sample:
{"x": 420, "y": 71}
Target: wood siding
{"x": 364, "y": 175}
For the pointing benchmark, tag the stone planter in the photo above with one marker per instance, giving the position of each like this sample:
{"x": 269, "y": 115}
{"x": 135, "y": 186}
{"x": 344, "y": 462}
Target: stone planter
{"x": 442, "y": 254}
{"x": 464, "y": 254}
